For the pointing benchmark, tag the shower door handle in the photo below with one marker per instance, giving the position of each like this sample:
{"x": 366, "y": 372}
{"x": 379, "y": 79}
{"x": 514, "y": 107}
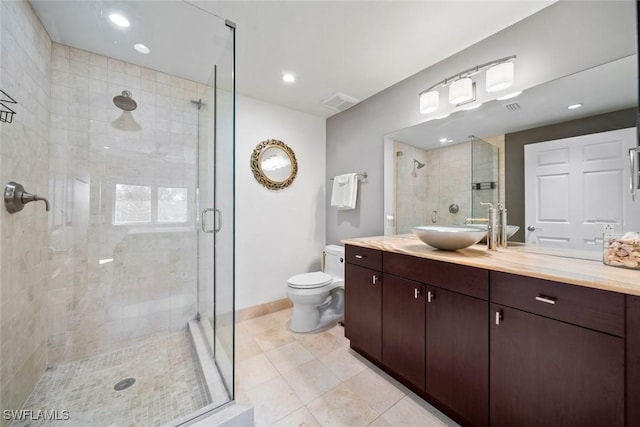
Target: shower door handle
{"x": 218, "y": 220}
{"x": 203, "y": 221}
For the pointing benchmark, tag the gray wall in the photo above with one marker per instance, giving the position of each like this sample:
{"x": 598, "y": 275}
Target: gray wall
{"x": 559, "y": 40}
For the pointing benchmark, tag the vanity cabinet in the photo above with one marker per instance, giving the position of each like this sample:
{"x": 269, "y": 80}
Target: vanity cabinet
{"x": 557, "y": 354}
{"x": 363, "y": 300}
{"x": 499, "y": 349}
{"x": 632, "y": 360}
{"x": 435, "y": 332}
{"x": 403, "y": 328}
{"x": 457, "y": 357}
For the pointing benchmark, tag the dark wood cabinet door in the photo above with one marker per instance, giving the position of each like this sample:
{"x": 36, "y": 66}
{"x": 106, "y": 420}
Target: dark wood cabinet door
{"x": 457, "y": 362}
{"x": 403, "y": 328}
{"x": 363, "y": 309}
{"x": 632, "y": 360}
{"x": 549, "y": 373}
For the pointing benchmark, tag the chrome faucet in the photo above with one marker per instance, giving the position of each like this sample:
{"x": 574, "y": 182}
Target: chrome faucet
{"x": 492, "y": 235}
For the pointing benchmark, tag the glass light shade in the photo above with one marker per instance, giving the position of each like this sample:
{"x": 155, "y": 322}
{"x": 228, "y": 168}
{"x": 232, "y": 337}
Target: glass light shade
{"x": 500, "y": 77}
{"x": 461, "y": 91}
{"x": 429, "y": 102}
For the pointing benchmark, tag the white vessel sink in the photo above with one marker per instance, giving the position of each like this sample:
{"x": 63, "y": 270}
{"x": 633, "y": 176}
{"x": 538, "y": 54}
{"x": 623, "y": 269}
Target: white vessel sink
{"x": 449, "y": 237}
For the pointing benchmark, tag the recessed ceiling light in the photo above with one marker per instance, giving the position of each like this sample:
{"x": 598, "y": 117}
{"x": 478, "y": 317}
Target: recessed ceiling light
{"x": 119, "y": 20}
{"x": 509, "y": 96}
{"x": 443, "y": 140}
{"x": 574, "y": 106}
{"x": 288, "y": 78}
{"x": 141, "y": 48}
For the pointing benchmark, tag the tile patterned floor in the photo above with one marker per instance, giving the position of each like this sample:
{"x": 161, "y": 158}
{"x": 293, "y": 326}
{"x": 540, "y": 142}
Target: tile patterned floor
{"x": 316, "y": 380}
{"x": 168, "y": 386}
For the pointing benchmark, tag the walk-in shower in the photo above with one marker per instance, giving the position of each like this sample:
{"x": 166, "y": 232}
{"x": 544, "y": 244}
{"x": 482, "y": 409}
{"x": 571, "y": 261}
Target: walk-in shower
{"x": 117, "y": 305}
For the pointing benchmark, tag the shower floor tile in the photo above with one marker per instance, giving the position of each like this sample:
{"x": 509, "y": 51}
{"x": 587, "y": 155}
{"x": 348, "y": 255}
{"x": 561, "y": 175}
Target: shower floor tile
{"x": 168, "y": 385}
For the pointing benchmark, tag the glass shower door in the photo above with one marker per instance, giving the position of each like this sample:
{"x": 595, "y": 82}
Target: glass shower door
{"x": 216, "y": 216}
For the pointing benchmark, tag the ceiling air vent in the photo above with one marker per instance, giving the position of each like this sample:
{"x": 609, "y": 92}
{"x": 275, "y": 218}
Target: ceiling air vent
{"x": 339, "y": 101}
{"x": 514, "y": 106}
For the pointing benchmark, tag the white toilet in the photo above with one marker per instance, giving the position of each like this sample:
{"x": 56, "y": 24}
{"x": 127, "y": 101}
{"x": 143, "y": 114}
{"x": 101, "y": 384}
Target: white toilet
{"x": 318, "y": 297}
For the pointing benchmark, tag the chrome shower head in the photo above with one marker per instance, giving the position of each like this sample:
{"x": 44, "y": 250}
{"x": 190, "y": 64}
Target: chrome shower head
{"x": 124, "y": 101}
{"x": 418, "y": 164}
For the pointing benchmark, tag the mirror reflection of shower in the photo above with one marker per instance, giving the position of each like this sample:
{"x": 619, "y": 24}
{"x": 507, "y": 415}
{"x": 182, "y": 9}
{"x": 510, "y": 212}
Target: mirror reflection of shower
{"x": 416, "y": 165}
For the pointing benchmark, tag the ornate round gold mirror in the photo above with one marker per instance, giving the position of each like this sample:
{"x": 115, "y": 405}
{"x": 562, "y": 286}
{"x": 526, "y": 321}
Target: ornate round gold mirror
{"x": 274, "y": 164}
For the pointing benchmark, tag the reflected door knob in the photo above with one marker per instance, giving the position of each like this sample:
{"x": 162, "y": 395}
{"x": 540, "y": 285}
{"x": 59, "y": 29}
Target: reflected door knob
{"x": 531, "y": 228}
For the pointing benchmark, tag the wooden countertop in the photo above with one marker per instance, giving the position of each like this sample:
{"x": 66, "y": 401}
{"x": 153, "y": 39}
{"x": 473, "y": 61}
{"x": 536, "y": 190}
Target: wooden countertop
{"x": 516, "y": 259}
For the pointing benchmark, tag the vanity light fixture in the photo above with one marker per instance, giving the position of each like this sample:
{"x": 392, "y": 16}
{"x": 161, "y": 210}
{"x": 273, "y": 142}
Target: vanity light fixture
{"x": 574, "y": 106}
{"x": 462, "y": 91}
{"x": 119, "y": 20}
{"x": 499, "y": 75}
{"x": 429, "y": 101}
{"x": 142, "y": 48}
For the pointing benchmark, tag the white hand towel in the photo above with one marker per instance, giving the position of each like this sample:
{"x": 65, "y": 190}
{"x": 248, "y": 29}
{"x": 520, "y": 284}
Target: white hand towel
{"x": 344, "y": 191}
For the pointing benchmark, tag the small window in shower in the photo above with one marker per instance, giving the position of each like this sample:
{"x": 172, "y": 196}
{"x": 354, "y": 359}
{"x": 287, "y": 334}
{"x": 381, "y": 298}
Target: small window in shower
{"x": 132, "y": 204}
{"x": 172, "y": 204}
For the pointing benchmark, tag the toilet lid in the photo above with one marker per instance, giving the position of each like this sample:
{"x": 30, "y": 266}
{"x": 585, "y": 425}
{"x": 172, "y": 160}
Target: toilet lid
{"x": 316, "y": 279}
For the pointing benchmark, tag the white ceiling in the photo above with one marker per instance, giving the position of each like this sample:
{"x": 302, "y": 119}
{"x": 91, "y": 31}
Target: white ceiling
{"x": 355, "y": 47}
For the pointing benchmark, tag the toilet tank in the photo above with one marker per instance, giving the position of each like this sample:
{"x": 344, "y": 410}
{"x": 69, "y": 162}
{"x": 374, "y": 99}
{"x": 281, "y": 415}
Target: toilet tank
{"x": 334, "y": 261}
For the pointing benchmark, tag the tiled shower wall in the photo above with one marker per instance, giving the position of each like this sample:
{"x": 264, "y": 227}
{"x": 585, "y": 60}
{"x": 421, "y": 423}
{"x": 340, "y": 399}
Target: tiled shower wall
{"x": 426, "y": 194}
{"x": 455, "y": 183}
{"x": 445, "y": 180}
{"x": 414, "y": 191}
{"x": 25, "y": 52}
{"x": 123, "y": 186}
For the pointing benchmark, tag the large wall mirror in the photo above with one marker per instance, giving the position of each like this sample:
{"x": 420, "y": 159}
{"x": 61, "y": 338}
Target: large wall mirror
{"x": 609, "y": 97}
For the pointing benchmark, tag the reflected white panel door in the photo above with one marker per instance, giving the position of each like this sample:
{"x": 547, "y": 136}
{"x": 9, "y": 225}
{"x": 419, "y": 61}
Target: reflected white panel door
{"x": 574, "y": 186}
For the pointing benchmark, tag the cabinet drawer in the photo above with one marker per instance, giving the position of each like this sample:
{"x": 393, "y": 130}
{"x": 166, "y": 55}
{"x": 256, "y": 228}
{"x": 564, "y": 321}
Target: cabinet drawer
{"x": 458, "y": 278}
{"x": 591, "y": 308}
{"x": 370, "y": 258}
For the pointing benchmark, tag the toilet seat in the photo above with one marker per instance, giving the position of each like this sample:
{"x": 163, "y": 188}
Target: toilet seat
{"x": 314, "y": 280}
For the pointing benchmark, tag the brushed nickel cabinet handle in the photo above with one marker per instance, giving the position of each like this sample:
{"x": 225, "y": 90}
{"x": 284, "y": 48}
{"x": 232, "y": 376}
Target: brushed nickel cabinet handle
{"x": 546, "y": 299}
{"x": 430, "y": 296}
{"x": 374, "y": 279}
{"x": 359, "y": 256}
{"x": 498, "y": 316}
